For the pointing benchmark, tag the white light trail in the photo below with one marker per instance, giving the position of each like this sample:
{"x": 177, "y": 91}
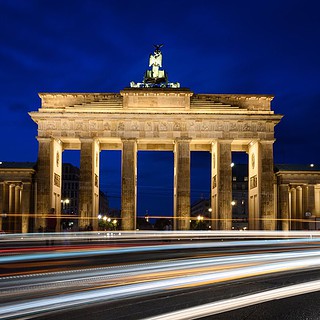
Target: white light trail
{"x": 209, "y": 309}
{"x": 149, "y": 248}
{"x": 133, "y": 290}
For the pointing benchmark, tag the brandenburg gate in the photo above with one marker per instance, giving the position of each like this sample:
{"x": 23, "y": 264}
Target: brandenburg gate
{"x": 157, "y": 115}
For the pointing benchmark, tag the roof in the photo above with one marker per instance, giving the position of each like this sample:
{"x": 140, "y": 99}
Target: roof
{"x": 17, "y": 165}
{"x": 296, "y": 167}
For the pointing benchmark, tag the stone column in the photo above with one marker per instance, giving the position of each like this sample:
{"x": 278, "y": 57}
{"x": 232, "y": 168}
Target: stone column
{"x": 284, "y": 206}
{"x": 43, "y": 182}
{"x": 89, "y": 183}
{"x": 268, "y": 219}
{"x": 129, "y": 184}
{"x": 11, "y": 197}
{"x": 311, "y": 199}
{"x": 25, "y": 206}
{"x": 293, "y": 192}
{"x": 5, "y": 206}
{"x": 17, "y": 206}
{"x": 182, "y": 184}
{"x": 2, "y": 200}
{"x": 254, "y": 185}
{"x": 305, "y": 206}
{"x": 305, "y": 198}
{"x": 317, "y": 200}
{"x": 214, "y": 190}
{"x": 290, "y": 208}
{"x": 48, "y": 179}
{"x": 299, "y": 208}
{"x": 11, "y": 215}
{"x": 224, "y": 185}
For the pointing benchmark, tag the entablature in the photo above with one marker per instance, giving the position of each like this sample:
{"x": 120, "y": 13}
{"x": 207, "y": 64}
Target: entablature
{"x": 154, "y": 100}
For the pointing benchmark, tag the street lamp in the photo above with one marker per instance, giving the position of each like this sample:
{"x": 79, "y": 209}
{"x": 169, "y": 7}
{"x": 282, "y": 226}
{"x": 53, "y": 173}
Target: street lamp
{"x": 64, "y": 203}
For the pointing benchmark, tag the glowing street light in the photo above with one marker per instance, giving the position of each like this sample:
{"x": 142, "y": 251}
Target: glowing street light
{"x": 64, "y": 203}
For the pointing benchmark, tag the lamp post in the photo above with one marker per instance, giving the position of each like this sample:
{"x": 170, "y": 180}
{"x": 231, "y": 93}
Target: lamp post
{"x": 64, "y": 203}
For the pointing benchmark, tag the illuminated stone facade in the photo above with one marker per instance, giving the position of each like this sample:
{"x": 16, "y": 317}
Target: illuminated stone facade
{"x": 169, "y": 119}
{"x": 298, "y": 194}
{"x": 17, "y": 195}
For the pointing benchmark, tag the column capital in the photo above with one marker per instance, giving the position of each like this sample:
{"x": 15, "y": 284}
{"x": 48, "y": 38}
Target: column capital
{"x": 44, "y": 139}
{"x": 129, "y": 140}
{"x": 86, "y": 139}
{"x": 48, "y": 139}
{"x": 222, "y": 141}
{"x": 284, "y": 185}
{"x": 182, "y": 139}
{"x": 272, "y": 141}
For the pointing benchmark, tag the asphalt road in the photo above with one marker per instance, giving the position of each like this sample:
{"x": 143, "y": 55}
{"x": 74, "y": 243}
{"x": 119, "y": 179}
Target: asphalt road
{"x": 51, "y": 273}
{"x": 302, "y": 307}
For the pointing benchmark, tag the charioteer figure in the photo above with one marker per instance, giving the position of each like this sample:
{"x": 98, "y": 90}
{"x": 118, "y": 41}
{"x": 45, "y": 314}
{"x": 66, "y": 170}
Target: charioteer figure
{"x": 155, "y": 77}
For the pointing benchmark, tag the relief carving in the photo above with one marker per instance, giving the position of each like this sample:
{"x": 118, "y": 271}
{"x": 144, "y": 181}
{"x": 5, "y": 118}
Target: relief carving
{"x": 106, "y": 126}
{"x": 246, "y": 127}
{"x": 177, "y": 126}
{"x": 135, "y": 125}
{"x": 65, "y": 125}
{"x": 261, "y": 126}
{"x": 191, "y": 125}
{"x": 219, "y": 126}
{"x": 214, "y": 182}
{"x": 163, "y": 126}
{"x": 233, "y": 126}
{"x": 56, "y": 180}
{"x": 93, "y": 125}
{"x": 80, "y": 126}
{"x": 121, "y": 126}
{"x": 149, "y": 126}
{"x": 253, "y": 182}
{"x": 57, "y": 158}
{"x": 51, "y": 126}
{"x": 205, "y": 126}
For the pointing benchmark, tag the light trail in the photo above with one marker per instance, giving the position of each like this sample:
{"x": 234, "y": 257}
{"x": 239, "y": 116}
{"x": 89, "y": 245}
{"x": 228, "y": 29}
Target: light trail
{"x": 78, "y": 287}
{"x": 134, "y": 288}
{"x": 132, "y": 273}
{"x": 148, "y": 248}
{"x": 210, "y": 309}
{"x": 154, "y": 235}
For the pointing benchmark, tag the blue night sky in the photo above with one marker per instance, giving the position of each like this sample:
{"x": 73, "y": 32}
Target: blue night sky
{"x": 262, "y": 47}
